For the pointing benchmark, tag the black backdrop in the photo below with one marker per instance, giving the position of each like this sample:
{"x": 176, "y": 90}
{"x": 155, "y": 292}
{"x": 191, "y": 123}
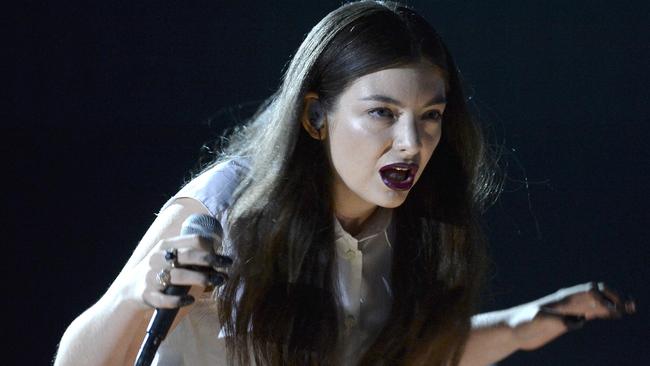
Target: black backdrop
{"x": 111, "y": 102}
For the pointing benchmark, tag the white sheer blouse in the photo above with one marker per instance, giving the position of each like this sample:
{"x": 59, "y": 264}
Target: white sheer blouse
{"x": 362, "y": 276}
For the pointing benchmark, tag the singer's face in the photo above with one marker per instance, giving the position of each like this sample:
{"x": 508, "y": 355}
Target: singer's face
{"x": 382, "y": 132}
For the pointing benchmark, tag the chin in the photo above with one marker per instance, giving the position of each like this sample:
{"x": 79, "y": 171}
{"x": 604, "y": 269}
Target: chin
{"x": 394, "y": 201}
{"x": 392, "y": 205}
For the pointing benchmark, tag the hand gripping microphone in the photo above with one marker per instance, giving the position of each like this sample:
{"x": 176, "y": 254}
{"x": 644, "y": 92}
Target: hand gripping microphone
{"x": 162, "y": 319}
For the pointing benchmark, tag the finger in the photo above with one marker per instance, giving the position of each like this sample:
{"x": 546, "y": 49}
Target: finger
{"x": 629, "y": 305}
{"x": 607, "y": 298}
{"x": 613, "y": 300}
{"x": 187, "y": 277}
{"x": 623, "y": 303}
{"x": 570, "y": 321}
{"x": 157, "y": 258}
{"x": 159, "y": 300}
{"x": 587, "y": 304}
{"x": 606, "y": 293}
{"x": 200, "y": 257}
{"x": 190, "y": 257}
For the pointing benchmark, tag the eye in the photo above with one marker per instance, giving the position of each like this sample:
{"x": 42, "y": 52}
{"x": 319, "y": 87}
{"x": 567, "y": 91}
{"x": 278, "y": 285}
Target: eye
{"x": 433, "y": 115}
{"x": 381, "y": 112}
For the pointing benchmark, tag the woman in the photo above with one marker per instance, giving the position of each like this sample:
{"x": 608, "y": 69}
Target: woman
{"x": 350, "y": 205}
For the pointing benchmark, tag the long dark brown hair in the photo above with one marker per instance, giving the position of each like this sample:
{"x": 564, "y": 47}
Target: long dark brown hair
{"x": 280, "y": 305}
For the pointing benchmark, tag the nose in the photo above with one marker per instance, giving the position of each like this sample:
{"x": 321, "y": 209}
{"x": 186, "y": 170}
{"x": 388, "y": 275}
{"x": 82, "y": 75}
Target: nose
{"x": 407, "y": 136}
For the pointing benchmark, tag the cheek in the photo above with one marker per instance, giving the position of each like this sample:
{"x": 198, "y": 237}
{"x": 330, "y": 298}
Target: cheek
{"x": 354, "y": 148}
{"x": 432, "y": 135}
{"x": 430, "y": 142}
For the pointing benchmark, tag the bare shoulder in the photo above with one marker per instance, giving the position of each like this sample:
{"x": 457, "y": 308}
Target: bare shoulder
{"x": 168, "y": 222}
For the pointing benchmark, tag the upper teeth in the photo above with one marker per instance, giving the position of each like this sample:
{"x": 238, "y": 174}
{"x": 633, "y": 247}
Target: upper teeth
{"x": 401, "y": 169}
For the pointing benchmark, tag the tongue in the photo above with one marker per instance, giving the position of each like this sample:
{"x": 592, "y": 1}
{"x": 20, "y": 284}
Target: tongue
{"x": 397, "y": 175}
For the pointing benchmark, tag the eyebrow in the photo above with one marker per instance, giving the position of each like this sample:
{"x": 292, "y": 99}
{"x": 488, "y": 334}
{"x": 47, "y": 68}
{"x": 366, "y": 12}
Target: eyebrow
{"x": 439, "y": 99}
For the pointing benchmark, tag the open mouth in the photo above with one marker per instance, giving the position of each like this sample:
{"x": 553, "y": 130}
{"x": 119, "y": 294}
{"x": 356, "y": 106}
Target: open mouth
{"x": 399, "y": 176}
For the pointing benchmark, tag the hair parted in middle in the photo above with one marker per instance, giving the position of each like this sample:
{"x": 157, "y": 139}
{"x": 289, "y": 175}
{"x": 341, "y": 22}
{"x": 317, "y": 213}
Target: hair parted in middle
{"x": 280, "y": 305}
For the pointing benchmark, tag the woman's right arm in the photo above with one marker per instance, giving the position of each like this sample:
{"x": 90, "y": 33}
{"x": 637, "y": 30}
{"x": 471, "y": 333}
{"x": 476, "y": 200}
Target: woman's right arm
{"x": 111, "y": 331}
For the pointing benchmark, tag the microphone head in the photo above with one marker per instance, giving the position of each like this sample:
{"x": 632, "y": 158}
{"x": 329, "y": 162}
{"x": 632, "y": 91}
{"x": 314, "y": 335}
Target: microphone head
{"x": 203, "y": 225}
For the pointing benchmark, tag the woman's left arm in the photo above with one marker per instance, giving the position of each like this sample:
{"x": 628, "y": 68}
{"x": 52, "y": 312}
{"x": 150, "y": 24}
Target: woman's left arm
{"x": 498, "y": 334}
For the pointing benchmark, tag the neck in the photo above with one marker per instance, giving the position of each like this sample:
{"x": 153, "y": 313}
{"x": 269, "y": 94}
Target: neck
{"x": 352, "y": 219}
{"x": 351, "y": 210}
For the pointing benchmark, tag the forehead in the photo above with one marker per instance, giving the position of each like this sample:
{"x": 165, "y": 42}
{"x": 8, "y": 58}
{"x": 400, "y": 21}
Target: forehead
{"x": 406, "y": 82}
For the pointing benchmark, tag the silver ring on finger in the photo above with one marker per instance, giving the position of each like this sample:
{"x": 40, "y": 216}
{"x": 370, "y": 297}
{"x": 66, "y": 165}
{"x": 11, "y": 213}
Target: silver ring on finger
{"x": 164, "y": 278}
{"x": 171, "y": 257}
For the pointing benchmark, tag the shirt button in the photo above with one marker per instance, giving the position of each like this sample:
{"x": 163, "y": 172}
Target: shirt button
{"x": 350, "y": 254}
{"x": 350, "y": 321}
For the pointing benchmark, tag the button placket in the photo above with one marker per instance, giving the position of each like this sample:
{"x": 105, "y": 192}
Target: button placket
{"x": 350, "y": 322}
{"x": 350, "y": 281}
{"x": 356, "y": 262}
{"x": 355, "y": 297}
{"x": 350, "y": 254}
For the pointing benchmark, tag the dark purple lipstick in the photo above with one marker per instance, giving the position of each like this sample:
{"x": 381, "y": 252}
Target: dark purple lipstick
{"x": 399, "y": 176}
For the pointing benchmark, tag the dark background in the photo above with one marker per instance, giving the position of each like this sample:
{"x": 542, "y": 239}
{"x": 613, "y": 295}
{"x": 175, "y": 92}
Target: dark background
{"x": 111, "y": 102}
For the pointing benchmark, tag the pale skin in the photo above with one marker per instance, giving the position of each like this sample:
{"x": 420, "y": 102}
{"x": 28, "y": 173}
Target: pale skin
{"x": 386, "y": 117}
{"x": 119, "y": 319}
{"x": 395, "y": 113}
{"x": 111, "y": 331}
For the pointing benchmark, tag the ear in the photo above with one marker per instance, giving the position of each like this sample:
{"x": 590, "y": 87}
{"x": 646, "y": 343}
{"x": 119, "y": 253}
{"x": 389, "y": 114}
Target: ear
{"x": 313, "y": 117}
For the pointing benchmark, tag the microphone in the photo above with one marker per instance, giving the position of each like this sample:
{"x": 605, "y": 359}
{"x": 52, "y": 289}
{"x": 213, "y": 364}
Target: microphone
{"x": 162, "y": 319}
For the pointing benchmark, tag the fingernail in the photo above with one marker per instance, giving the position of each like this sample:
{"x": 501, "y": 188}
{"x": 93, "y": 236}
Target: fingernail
{"x": 216, "y": 279}
{"x": 186, "y": 300}
{"x": 219, "y": 260}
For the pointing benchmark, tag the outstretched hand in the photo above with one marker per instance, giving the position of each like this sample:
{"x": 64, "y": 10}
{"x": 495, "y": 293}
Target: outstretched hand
{"x": 537, "y": 323}
{"x": 496, "y": 335}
